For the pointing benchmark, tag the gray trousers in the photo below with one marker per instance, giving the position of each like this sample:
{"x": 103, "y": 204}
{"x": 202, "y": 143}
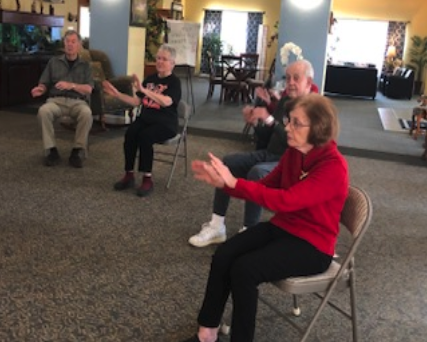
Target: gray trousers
{"x": 57, "y": 107}
{"x": 249, "y": 165}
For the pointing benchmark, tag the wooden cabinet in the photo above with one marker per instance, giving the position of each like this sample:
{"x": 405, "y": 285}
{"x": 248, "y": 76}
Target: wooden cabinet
{"x": 18, "y": 76}
{"x": 26, "y": 18}
{"x": 21, "y": 68}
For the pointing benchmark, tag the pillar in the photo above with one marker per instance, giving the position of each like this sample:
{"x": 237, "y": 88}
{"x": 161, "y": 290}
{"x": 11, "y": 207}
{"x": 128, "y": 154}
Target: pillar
{"x": 305, "y": 23}
{"x": 111, "y": 33}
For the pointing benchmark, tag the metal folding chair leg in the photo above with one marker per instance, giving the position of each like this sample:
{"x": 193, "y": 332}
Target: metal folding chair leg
{"x": 180, "y": 141}
{"x": 175, "y": 160}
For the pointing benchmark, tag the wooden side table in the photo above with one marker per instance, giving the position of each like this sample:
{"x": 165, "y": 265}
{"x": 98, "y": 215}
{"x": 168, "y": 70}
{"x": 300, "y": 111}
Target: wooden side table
{"x": 417, "y": 115}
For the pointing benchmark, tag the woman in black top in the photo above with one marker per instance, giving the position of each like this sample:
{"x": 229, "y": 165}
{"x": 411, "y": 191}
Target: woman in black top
{"x": 158, "y": 97}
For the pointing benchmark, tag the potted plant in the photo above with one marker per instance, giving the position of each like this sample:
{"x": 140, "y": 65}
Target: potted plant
{"x": 274, "y": 36}
{"x": 214, "y": 45}
{"x": 418, "y": 60}
{"x": 155, "y": 30}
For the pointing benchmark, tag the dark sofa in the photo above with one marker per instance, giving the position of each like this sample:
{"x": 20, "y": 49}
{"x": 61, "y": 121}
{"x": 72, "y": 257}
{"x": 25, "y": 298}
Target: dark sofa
{"x": 398, "y": 85}
{"x": 351, "y": 80}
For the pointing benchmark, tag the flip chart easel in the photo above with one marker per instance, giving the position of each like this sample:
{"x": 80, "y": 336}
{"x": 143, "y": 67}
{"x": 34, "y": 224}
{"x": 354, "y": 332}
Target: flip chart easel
{"x": 184, "y": 36}
{"x": 184, "y": 71}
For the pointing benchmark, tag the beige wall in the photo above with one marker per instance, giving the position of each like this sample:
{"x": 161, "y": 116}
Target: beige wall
{"x": 397, "y": 10}
{"x": 418, "y": 23}
{"x": 136, "y": 51}
{"x": 418, "y": 26}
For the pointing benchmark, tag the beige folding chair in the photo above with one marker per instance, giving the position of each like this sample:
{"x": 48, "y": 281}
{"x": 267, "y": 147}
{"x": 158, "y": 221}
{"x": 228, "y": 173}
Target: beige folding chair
{"x": 179, "y": 141}
{"x": 356, "y": 217}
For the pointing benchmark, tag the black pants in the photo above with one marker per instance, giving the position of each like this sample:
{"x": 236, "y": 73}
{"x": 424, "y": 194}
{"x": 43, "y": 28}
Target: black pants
{"x": 261, "y": 254}
{"x": 142, "y": 135}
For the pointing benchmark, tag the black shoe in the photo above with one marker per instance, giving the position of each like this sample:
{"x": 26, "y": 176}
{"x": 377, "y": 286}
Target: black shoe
{"x": 52, "y": 158}
{"x": 75, "y": 160}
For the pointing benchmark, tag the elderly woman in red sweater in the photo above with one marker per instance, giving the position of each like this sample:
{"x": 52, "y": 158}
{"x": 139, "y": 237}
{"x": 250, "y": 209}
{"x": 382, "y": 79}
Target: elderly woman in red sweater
{"x": 306, "y": 191}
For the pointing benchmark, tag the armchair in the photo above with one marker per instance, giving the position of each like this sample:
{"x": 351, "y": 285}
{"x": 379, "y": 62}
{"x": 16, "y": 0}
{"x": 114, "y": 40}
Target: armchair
{"x": 399, "y": 85}
{"x": 102, "y": 103}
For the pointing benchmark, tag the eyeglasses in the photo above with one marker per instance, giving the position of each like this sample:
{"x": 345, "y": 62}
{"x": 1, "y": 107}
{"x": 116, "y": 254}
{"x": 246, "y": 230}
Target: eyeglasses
{"x": 295, "y": 124}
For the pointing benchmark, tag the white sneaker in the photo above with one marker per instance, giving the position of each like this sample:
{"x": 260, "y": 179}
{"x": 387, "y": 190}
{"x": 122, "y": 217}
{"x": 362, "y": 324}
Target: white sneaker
{"x": 208, "y": 235}
{"x": 241, "y": 230}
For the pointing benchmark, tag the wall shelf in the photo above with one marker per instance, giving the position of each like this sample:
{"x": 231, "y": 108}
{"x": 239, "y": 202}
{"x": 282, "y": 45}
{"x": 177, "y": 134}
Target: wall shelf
{"x": 27, "y": 18}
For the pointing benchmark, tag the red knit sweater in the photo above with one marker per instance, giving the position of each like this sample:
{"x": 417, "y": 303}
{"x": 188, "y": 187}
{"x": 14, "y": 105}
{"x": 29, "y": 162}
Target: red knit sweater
{"x": 306, "y": 193}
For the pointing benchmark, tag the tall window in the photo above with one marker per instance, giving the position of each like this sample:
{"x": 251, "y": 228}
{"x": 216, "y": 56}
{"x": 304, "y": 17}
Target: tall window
{"x": 233, "y": 31}
{"x": 238, "y": 32}
{"x": 359, "y": 41}
{"x": 84, "y": 23}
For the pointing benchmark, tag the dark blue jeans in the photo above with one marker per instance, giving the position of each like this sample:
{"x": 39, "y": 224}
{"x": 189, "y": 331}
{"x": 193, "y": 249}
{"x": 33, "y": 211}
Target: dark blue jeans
{"x": 252, "y": 166}
{"x": 261, "y": 254}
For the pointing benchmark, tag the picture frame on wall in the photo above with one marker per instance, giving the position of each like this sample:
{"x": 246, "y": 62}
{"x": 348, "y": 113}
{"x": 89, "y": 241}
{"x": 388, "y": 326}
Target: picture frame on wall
{"x": 176, "y": 10}
{"x": 138, "y": 13}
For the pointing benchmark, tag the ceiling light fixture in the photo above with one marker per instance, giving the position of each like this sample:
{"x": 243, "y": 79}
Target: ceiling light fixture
{"x": 307, "y": 4}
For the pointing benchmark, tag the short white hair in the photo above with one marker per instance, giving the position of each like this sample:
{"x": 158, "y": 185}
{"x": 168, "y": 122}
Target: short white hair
{"x": 170, "y": 49}
{"x": 309, "y": 71}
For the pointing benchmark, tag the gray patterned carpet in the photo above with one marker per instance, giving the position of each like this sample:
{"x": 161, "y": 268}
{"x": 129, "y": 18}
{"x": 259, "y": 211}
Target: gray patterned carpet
{"x": 81, "y": 262}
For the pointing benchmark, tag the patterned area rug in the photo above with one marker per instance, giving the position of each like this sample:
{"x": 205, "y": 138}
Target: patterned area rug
{"x": 391, "y": 118}
{"x": 407, "y": 124}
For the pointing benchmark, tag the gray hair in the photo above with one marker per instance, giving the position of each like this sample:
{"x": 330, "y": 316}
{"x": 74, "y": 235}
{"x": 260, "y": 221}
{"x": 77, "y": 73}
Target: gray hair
{"x": 73, "y": 32}
{"x": 170, "y": 49}
{"x": 309, "y": 71}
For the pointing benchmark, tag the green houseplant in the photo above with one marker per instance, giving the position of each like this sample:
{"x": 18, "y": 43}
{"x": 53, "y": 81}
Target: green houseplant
{"x": 214, "y": 45}
{"x": 418, "y": 59}
{"x": 155, "y": 29}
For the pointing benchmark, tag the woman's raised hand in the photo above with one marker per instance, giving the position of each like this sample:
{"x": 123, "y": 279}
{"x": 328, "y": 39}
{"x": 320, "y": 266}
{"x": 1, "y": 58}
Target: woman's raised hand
{"x": 203, "y": 171}
{"x": 263, "y": 94}
{"x": 214, "y": 173}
